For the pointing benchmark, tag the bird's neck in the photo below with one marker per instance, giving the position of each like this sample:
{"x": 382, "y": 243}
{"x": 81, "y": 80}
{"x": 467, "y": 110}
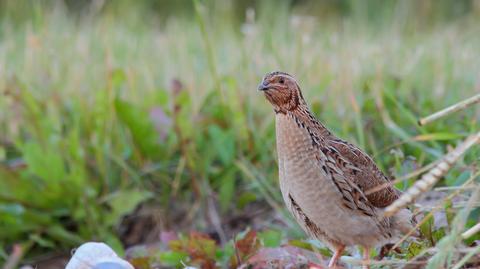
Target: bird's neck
{"x": 303, "y": 118}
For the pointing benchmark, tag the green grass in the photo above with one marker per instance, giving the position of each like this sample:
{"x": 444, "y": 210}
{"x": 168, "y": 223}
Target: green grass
{"x": 91, "y": 126}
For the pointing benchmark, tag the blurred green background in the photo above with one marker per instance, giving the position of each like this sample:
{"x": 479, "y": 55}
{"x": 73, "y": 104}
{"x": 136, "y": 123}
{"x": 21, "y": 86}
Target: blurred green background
{"x": 112, "y": 112}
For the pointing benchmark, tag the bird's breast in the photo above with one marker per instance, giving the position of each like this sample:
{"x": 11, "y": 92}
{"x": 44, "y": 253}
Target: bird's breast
{"x": 299, "y": 167}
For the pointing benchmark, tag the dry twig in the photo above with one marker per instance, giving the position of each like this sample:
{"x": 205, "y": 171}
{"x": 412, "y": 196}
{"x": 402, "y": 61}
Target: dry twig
{"x": 468, "y": 233}
{"x": 451, "y": 109}
{"x": 17, "y": 253}
{"x": 433, "y": 210}
{"x": 430, "y": 178}
{"x": 402, "y": 178}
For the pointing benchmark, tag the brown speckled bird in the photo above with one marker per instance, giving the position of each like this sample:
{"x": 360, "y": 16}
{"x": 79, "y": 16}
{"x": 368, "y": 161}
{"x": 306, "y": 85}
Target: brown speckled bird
{"x": 323, "y": 179}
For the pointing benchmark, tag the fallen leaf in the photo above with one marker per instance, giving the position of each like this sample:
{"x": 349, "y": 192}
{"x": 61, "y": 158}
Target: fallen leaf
{"x": 285, "y": 257}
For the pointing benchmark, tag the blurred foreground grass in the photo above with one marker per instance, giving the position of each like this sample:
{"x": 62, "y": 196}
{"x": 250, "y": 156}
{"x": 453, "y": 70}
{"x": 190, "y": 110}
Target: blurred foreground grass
{"x": 102, "y": 111}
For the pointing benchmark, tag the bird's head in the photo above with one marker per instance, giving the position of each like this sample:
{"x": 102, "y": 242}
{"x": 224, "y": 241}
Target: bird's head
{"x": 282, "y": 91}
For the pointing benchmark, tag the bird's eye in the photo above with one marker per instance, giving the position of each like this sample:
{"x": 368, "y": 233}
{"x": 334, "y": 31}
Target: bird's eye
{"x": 281, "y": 81}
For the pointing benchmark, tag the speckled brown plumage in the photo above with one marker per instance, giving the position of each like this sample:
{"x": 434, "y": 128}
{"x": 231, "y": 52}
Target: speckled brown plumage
{"x": 323, "y": 178}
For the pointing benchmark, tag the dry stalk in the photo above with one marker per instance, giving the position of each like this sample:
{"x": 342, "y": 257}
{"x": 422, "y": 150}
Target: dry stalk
{"x": 435, "y": 209}
{"x": 451, "y": 109}
{"x": 468, "y": 233}
{"x": 430, "y": 178}
{"x": 15, "y": 257}
{"x": 466, "y": 258}
{"x": 17, "y": 254}
{"x": 447, "y": 245}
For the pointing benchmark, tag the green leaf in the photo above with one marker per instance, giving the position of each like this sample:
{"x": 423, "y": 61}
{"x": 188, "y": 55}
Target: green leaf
{"x": 183, "y": 99}
{"x": 462, "y": 178}
{"x": 438, "y": 234}
{"x": 414, "y": 249}
{"x": 44, "y": 163}
{"x": 114, "y": 242}
{"x": 224, "y": 253}
{"x": 271, "y": 238}
{"x": 427, "y": 227}
{"x": 301, "y": 244}
{"x": 59, "y": 233}
{"x": 437, "y": 136}
{"x": 124, "y": 202}
{"x": 173, "y": 258}
{"x": 227, "y": 190}
{"x": 161, "y": 97}
{"x": 117, "y": 78}
{"x": 141, "y": 128}
{"x": 246, "y": 198}
{"x": 43, "y": 242}
{"x": 223, "y": 143}
{"x": 183, "y": 116}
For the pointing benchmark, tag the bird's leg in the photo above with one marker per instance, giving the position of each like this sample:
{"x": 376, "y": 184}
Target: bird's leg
{"x": 366, "y": 258}
{"x": 336, "y": 256}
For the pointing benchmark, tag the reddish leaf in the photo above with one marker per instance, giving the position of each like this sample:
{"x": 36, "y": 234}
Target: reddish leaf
{"x": 285, "y": 257}
{"x": 244, "y": 248}
{"x": 248, "y": 244}
{"x": 199, "y": 247}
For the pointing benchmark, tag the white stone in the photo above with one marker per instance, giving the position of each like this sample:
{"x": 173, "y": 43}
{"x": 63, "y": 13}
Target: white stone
{"x": 91, "y": 254}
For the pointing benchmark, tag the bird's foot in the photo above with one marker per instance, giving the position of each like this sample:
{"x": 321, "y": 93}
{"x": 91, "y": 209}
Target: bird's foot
{"x": 366, "y": 258}
{"x": 336, "y": 256}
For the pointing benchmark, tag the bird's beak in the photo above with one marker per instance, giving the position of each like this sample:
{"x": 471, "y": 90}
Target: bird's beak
{"x": 263, "y": 86}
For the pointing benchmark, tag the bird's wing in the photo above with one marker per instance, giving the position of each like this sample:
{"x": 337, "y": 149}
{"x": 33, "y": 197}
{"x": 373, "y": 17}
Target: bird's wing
{"x": 360, "y": 171}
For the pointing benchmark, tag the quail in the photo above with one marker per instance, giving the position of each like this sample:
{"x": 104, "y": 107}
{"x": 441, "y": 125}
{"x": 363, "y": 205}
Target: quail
{"x": 324, "y": 180}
